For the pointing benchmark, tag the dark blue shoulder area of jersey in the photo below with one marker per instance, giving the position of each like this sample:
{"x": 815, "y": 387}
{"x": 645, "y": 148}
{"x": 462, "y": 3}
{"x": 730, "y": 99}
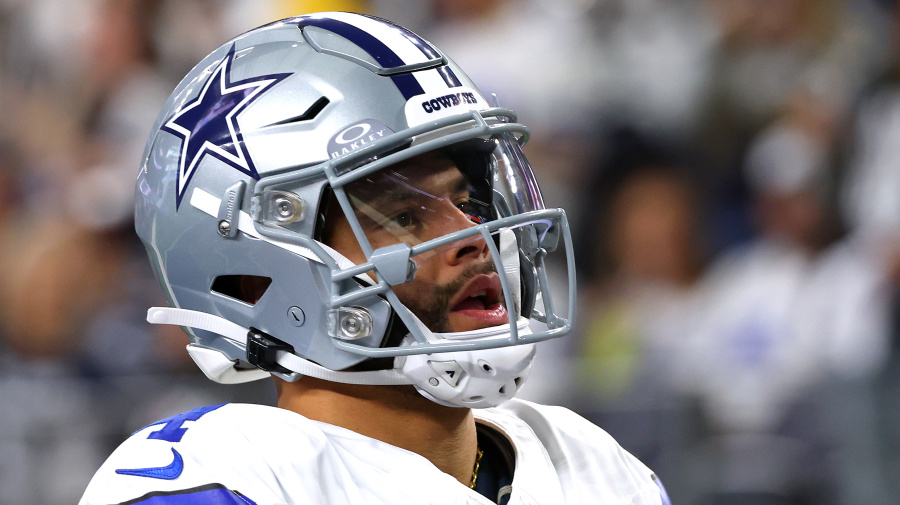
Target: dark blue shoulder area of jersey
{"x": 210, "y": 494}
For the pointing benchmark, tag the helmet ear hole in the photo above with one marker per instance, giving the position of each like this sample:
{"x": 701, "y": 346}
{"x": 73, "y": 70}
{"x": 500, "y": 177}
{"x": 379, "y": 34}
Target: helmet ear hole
{"x": 327, "y": 201}
{"x": 244, "y": 288}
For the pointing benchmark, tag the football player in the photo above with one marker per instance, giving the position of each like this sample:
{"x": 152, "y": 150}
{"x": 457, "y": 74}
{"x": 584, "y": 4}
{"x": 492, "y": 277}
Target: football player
{"x": 329, "y": 200}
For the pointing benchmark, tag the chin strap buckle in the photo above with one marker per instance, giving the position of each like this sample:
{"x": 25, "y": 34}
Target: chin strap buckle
{"x": 262, "y": 351}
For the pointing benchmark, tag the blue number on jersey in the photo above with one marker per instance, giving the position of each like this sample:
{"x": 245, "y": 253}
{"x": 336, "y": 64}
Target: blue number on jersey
{"x": 210, "y": 494}
{"x": 172, "y": 431}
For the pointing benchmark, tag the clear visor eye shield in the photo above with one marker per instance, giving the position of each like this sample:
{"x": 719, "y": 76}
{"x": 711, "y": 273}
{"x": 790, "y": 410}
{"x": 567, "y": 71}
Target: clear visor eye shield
{"x": 481, "y": 206}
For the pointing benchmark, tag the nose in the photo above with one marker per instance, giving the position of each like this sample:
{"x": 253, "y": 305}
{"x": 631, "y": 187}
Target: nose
{"x": 467, "y": 249}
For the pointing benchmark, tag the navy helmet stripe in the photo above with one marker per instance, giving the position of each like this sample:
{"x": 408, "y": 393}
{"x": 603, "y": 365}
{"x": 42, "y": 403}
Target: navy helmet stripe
{"x": 427, "y": 49}
{"x": 366, "y": 41}
{"x": 385, "y": 57}
{"x": 449, "y": 77}
{"x": 408, "y": 85}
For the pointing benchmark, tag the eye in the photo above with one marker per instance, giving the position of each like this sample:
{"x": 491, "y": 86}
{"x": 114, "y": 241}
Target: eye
{"x": 403, "y": 220}
{"x": 474, "y": 211}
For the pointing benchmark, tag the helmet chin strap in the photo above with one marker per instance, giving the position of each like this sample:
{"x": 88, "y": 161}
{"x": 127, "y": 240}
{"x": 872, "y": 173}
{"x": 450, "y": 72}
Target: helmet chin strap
{"x": 474, "y": 379}
{"x": 237, "y": 333}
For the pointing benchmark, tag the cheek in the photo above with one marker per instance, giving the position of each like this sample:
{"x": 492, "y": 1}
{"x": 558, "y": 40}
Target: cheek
{"x": 341, "y": 239}
{"x": 430, "y": 275}
{"x": 350, "y": 248}
{"x": 415, "y": 293}
{"x": 419, "y": 294}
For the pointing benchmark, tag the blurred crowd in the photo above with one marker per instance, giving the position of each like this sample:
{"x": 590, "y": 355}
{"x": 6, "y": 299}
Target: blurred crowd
{"x": 731, "y": 169}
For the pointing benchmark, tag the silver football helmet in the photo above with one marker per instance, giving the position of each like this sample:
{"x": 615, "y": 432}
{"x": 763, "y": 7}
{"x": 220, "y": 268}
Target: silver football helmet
{"x": 329, "y": 195}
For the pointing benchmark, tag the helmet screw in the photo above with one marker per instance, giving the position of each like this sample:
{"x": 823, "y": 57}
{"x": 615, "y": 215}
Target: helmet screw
{"x": 351, "y": 325}
{"x": 224, "y": 228}
{"x": 433, "y": 381}
{"x": 296, "y": 316}
{"x": 284, "y": 208}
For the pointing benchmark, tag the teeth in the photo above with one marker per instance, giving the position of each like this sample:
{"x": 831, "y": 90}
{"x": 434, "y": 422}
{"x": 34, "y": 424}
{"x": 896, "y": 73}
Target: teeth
{"x": 483, "y": 292}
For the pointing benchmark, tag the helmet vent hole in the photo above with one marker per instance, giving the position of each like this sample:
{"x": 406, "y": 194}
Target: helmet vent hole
{"x": 243, "y": 288}
{"x": 476, "y": 398}
{"x": 502, "y": 391}
{"x": 486, "y": 366}
{"x": 518, "y": 381}
{"x": 310, "y": 113}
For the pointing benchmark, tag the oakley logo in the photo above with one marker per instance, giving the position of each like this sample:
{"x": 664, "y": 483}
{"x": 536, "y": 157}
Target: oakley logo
{"x": 359, "y": 130}
{"x": 356, "y": 136}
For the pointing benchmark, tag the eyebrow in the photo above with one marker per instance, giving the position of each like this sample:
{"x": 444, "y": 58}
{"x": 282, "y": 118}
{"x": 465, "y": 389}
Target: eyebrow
{"x": 406, "y": 191}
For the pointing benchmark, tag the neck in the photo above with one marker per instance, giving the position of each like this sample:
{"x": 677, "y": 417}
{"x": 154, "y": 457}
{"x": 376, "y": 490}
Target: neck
{"x": 397, "y": 415}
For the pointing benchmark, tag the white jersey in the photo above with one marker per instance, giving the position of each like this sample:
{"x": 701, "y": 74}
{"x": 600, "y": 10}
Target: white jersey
{"x": 252, "y": 454}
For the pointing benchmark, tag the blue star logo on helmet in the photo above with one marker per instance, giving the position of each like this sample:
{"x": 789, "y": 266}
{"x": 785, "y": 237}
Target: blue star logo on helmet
{"x": 209, "y": 125}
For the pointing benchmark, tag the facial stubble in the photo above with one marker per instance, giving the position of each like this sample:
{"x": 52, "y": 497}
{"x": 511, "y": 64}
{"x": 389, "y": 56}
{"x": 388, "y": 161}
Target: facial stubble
{"x": 435, "y": 313}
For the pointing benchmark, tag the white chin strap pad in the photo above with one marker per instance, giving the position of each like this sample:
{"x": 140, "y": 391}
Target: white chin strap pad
{"x": 475, "y": 379}
{"x": 218, "y": 368}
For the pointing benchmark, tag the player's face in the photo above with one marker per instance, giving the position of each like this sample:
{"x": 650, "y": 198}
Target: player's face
{"x": 457, "y": 287}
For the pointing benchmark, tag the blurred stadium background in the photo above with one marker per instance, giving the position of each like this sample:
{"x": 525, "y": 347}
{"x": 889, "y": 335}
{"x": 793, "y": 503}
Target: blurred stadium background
{"x": 732, "y": 169}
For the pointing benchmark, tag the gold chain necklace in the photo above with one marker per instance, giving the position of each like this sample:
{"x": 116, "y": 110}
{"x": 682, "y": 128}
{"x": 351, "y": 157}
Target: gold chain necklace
{"x": 475, "y": 468}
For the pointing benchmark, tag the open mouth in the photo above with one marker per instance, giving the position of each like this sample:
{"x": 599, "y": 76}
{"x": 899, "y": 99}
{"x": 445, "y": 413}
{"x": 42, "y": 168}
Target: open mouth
{"x": 479, "y": 304}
